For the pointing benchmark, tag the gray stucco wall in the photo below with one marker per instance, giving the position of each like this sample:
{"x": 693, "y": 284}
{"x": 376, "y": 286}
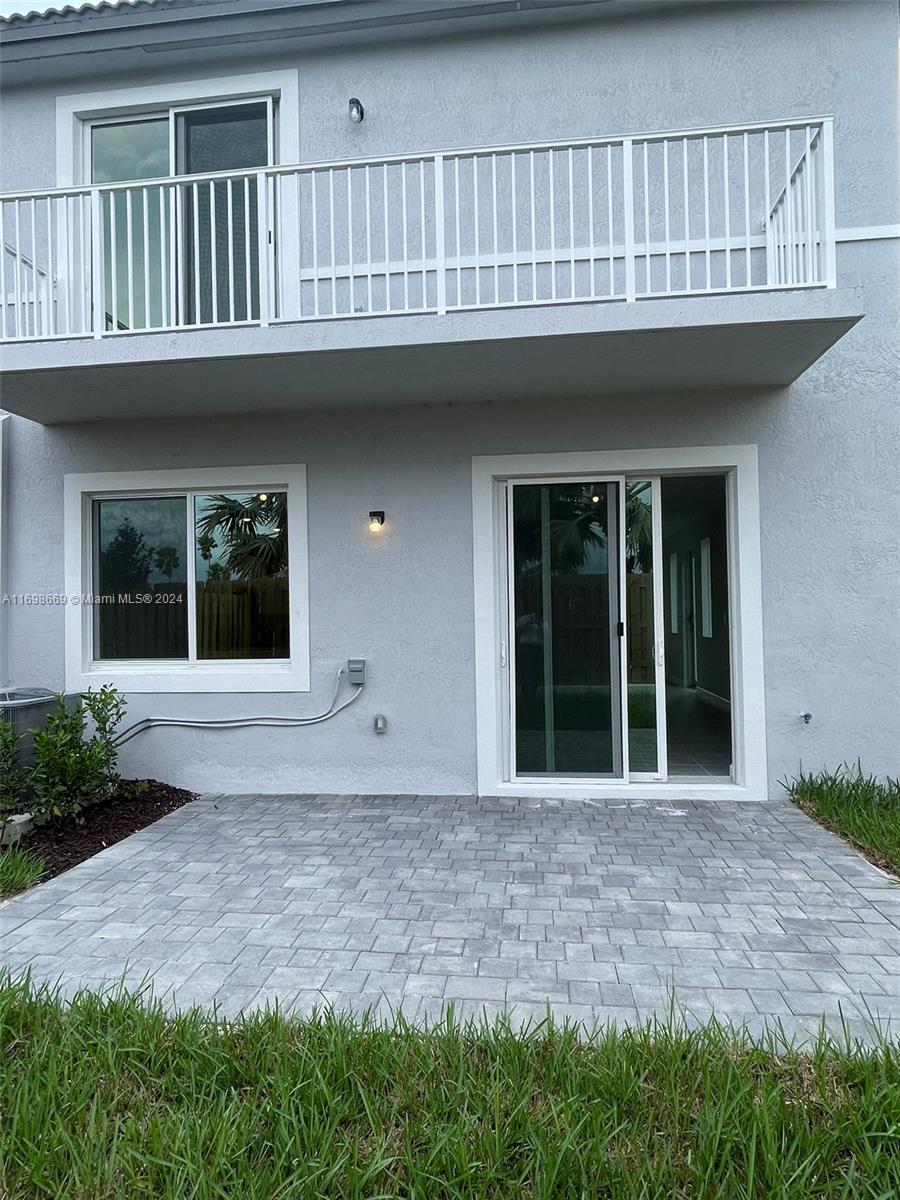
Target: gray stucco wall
{"x": 828, "y": 446}
{"x": 688, "y": 67}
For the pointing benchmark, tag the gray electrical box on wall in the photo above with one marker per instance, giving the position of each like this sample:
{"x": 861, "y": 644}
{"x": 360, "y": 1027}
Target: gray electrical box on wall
{"x": 356, "y": 671}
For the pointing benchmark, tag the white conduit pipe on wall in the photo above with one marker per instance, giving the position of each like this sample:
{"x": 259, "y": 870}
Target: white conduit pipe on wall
{"x": 241, "y": 722}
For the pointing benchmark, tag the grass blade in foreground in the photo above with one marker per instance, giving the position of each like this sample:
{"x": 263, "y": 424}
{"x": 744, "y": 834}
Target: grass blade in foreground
{"x": 109, "y": 1098}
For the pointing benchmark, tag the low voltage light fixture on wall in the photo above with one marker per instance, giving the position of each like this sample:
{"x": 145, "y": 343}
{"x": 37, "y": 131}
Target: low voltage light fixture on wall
{"x": 357, "y": 112}
{"x": 376, "y": 522}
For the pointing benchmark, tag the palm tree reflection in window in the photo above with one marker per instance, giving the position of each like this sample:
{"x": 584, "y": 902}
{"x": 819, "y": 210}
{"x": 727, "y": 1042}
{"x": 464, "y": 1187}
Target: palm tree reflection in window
{"x": 242, "y": 575}
{"x": 166, "y": 560}
{"x": 577, "y": 527}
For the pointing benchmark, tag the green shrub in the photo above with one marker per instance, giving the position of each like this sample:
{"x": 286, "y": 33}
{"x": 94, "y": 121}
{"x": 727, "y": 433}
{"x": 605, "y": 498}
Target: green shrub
{"x": 106, "y": 708}
{"x": 67, "y": 771}
{"x": 71, "y": 769}
{"x": 12, "y": 783}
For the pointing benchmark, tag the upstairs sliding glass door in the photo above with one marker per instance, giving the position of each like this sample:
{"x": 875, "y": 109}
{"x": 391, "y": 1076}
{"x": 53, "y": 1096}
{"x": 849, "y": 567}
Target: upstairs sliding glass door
{"x": 187, "y": 253}
{"x": 586, "y": 684}
{"x": 136, "y": 269}
{"x": 221, "y": 217}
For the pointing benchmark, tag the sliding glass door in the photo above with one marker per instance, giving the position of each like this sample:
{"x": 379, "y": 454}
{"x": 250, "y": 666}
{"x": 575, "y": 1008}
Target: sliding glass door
{"x": 566, "y": 624}
{"x": 181, "y": 254}
{"x": 136, "y": 222}
{"x": 586, "y": 684}
{"x": 644, "y": 631}
{"x": 221, "y": 221}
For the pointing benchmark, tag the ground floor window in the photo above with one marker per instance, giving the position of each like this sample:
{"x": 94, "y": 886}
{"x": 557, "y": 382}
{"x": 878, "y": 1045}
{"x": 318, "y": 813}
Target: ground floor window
{"x": 238, "y": 596}
{"x": 202, "y": 571}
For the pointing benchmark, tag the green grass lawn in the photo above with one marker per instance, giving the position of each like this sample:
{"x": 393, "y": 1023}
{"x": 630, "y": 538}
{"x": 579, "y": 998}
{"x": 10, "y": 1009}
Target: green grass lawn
{"x": 109, "y": 1099}
{"x": 860, "y": 808}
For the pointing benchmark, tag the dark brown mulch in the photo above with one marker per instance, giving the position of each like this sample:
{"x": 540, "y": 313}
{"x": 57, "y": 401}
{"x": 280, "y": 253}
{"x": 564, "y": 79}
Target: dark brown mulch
{"x": 64, "y": 844}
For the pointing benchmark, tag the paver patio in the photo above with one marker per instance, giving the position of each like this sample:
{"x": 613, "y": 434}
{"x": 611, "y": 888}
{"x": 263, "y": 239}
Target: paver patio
{"x": 601, "y": 910}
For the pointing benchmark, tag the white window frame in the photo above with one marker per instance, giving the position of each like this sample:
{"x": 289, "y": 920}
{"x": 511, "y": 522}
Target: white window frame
{"x": 170, "y": 114}
{"x": 674, "y": 592}
{"x": 77, "y": 112}
{"x": 166, "y": 675}
{"x": 706, "y": 588}
{"x": 492, "y": 658}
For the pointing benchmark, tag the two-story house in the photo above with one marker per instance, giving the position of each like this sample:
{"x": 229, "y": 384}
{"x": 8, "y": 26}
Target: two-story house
{"x": 539, "y": 356}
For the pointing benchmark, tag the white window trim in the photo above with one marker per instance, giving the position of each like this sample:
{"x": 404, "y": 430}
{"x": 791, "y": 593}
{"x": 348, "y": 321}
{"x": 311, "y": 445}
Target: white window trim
{"x": 674, "y": 593}
{"x": 167, "y": 676}
{"x": 74, "y": 111}
{"x": 740, "y": 465}
{"x": 706, "y": 629}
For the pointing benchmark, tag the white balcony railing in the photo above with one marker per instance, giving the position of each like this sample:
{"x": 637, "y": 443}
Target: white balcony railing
{"x": 731, "y": 209}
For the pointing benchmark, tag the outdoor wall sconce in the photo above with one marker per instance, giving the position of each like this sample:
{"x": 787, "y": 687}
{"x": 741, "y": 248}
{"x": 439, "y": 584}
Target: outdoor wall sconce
{"x": 357, "y": 112}
{"x": 376, "y": 522}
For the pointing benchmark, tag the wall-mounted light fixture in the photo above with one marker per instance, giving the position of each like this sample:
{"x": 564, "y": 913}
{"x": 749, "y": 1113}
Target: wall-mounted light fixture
{"x": 376, "y": 522}
{"x": 357, "y": 112}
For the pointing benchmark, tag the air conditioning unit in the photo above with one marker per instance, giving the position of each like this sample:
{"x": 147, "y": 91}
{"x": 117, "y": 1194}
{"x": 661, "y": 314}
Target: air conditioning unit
{"x": 27, "y": 709}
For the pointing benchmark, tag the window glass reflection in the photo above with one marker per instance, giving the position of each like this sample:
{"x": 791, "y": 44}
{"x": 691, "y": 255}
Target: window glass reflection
{"x": 241, "y": 547}
{"x": 141, "y": 578}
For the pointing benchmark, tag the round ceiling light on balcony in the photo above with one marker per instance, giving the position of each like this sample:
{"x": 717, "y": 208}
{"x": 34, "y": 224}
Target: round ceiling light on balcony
{"x": 357, "y": 112}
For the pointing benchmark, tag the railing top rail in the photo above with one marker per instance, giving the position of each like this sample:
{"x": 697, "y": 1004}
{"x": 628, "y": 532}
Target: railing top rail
{"x": 423, "y": 156}
{"x": 131, "y": 185}
{"x": 792, "y": 179}
{"x": 83, "y": 189}
{"x": 557, "y": 143}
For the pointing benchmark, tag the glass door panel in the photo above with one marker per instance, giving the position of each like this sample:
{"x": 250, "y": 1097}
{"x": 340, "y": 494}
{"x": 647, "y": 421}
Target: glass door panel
{"x": 221, "y": 257}
{"x": 135, "y": 221}
{"x": 565, "y": 614}
{"x": 698, "y": 683}
{"x": 644, "y": 635}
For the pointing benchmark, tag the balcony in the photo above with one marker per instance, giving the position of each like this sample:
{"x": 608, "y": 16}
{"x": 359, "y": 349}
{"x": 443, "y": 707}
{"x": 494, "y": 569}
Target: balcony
{"x": 383, "y": 259}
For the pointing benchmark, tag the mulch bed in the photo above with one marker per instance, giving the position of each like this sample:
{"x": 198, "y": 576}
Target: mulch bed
{"x": 63, "y": 844}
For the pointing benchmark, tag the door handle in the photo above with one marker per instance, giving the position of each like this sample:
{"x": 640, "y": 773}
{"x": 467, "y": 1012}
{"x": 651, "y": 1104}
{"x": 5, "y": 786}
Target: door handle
{"x": 661, "y": 652}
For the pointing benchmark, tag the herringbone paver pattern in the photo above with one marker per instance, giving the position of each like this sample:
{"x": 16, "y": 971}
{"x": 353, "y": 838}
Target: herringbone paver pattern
{"x": 601, "y": 910}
